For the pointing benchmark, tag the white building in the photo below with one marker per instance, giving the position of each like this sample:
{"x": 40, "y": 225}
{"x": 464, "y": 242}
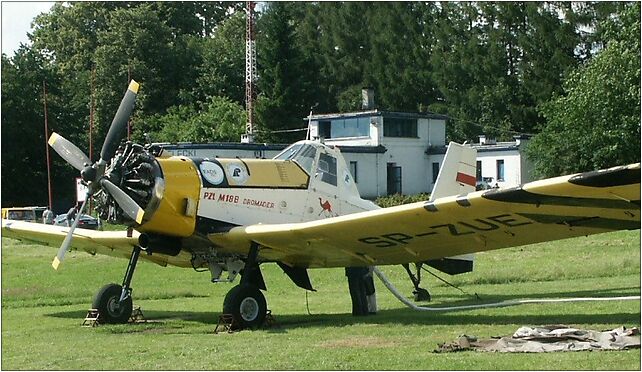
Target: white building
{"x": 503, "y": 163}
{"x": 406, "y": 144}
{"x": 388, "y": 152}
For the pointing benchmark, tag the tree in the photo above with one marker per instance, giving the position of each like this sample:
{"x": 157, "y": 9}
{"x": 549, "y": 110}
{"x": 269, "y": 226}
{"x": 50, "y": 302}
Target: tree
{"x": 596, "y": 122}
{"x": 283, "y": 98}
{"x": 23, "y": 159}
{"x": 401, "y": 40}
{"x": 218, "y": 120}
{"x": 222, "y": 70}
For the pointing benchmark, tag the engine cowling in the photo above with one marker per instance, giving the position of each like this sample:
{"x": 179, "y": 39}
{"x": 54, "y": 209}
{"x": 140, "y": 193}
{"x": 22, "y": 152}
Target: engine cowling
{"x": 174, "y": 213}
{"x": 166, "y": 188}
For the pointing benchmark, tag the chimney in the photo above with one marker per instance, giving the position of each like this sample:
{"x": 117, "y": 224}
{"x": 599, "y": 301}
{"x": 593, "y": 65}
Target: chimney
{"x": 522, "y": 138}
{"x": 483, "y": 140}
{"x": 367, "y": 98}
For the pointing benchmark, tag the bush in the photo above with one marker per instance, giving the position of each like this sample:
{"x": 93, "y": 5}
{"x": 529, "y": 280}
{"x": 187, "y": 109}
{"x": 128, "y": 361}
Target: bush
{"x": 399, "y": 199}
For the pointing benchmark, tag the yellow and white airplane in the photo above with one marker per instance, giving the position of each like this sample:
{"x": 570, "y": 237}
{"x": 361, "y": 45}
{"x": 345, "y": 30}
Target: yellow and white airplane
{"x": 302, "y": 210}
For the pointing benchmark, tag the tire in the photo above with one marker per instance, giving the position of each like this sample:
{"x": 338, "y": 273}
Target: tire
{"x": 109, "y": 310}
{"x": 247, "y": 305}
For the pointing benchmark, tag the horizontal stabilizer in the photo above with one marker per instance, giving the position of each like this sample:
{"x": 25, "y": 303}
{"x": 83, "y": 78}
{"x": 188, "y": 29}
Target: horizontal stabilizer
{"x": 453, "y": 265}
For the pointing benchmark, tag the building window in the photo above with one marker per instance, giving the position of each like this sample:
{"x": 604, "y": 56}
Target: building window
{"x": 324, "y": 129}
{"x": 328, "y": 169}
{"x": 479, "y": 173}
{"x": 345, "y": 127}
{"x": 398, "y": 127}
{"x": 500, "y": 169}
{"x": 353, "y": 170}
{"x": 435, "y": 172}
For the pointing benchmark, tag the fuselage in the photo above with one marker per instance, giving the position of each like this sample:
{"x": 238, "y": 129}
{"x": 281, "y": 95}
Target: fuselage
{"x": 195, "y": 197}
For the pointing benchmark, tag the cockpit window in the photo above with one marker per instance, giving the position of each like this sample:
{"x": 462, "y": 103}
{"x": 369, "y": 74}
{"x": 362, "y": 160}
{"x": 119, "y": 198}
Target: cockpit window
{"x": 302, "y": 154}
{"x": 328, "y": 169}
{"x": 289, "y": 152}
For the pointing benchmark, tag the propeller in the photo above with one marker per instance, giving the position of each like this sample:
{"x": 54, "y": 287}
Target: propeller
{"x": 72, "y": 154}
{"x": 65, "y": 243}
{"x": 119, "y": 124}
{"x": 94, "y": 174}
{"x": 128, "y": 205}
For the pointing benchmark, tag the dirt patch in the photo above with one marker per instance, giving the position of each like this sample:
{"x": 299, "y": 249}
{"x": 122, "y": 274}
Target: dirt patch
{"x": 21, "y": 291}
{"x": 359, "y": 342}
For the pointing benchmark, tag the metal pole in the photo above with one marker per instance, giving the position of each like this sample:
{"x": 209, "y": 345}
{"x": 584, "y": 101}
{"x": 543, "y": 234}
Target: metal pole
{"x": 250, "y": 67}
{"x": 91, "y": 123}
{"x": 91, "y": 115}
{"x": 129, "y": 78}
{"x": 44, "y": 92}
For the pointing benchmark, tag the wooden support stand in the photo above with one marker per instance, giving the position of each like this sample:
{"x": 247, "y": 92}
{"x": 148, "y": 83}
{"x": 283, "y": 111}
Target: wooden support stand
{"x": 270, "y": 322}
{"x": 227, "y": 324}
{"x": 137, "y": 316}
{"x": 92, "y": 317}
{"x": 91, "y": 320}
{"x": 226, "y": 321}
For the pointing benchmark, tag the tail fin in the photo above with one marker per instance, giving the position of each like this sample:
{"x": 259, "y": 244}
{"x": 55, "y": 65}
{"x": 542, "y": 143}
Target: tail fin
{"x": 457, "y": 176}
{"x": 458, "y": 172}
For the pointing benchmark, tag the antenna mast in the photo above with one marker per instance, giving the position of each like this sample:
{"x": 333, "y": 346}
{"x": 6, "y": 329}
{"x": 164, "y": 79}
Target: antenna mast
{"x": 250, "y": 71}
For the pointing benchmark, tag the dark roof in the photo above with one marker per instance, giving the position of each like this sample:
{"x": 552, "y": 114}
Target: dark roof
{"x": 500, "y": 146}
{"x": 398, "y": 114}
{"x": 434, "y": 150}
{"x": 263, "y": 146}
{"x": 363, "y": 149}
{"x": 225, "y": 146}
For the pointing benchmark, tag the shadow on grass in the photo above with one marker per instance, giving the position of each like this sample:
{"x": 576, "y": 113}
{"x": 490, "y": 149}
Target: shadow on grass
{"x": 406, "y": 316}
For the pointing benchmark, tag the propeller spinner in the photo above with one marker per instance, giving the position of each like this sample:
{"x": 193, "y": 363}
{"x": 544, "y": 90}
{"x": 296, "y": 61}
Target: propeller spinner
{"x": 94, "y": 174}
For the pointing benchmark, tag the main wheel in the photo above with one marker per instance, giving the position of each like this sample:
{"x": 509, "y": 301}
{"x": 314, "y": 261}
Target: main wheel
{"x": 109, "y": 308}
{"x": 247, "y": 305}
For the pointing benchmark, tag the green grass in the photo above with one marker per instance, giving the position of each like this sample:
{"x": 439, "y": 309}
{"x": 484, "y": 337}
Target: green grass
{"x": 42, "y": 310}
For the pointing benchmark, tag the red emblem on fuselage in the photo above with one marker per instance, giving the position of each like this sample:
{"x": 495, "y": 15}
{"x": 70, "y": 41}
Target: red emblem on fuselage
{"x": 326, "y": 207}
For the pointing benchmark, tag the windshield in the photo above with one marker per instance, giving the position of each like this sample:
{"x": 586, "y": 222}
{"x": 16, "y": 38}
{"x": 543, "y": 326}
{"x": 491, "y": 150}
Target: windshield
{"x": 289, "y": 152}
{"x": 302, "y": 154}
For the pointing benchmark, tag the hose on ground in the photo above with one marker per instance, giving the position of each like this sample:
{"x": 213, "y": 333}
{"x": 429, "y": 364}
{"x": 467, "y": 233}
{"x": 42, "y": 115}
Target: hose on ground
{"x": 411, "y": 305}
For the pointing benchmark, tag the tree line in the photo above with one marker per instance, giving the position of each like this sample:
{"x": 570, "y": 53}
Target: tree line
{"x": 567, "y": 73}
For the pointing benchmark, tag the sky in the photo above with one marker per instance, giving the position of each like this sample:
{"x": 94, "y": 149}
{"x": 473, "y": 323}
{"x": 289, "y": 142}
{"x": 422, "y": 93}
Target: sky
{"x": 16, "y": 22}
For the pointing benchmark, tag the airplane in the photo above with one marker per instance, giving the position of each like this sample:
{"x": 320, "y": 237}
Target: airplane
{"x": 302, "y": 210}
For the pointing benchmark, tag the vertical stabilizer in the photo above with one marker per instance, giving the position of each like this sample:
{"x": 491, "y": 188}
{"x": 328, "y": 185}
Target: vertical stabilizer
{"x": 458, "y": 172}
{"x": 457, "y": 176}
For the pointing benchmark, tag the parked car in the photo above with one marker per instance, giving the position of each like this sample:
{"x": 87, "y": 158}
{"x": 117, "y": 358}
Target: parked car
{"x": 86, "y": 221}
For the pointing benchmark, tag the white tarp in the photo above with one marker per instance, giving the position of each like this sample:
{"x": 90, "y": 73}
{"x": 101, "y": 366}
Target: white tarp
{"x": 550, "y": 338}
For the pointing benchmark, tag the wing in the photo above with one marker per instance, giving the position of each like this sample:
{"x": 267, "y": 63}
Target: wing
{"x": 112, "y": 243}
{"x": 556, "y": 208}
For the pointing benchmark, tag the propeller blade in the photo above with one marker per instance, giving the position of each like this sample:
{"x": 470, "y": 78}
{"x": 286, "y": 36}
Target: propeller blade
{"x": 129, "y": 206}
{"x": 68, "y": 151}
{"x": 65, "y": 243}
{"x": 119, "y": 124}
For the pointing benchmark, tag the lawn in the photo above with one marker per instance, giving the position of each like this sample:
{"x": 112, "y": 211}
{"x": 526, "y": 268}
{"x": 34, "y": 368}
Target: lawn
{"x": 42, "y": 310}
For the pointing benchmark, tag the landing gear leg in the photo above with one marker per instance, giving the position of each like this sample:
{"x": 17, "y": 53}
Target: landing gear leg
{"x": 245, "y": 301}
{"x": 420, "y": 293}
{"x": 113, "y": 301}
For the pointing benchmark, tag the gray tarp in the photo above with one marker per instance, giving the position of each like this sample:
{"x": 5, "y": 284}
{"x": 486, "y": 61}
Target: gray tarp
{"x": 550, "y": 338}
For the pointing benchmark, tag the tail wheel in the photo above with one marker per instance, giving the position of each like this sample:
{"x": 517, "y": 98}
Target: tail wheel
{"x": 110, "y": 309}
{"x": 247, "y": 305}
